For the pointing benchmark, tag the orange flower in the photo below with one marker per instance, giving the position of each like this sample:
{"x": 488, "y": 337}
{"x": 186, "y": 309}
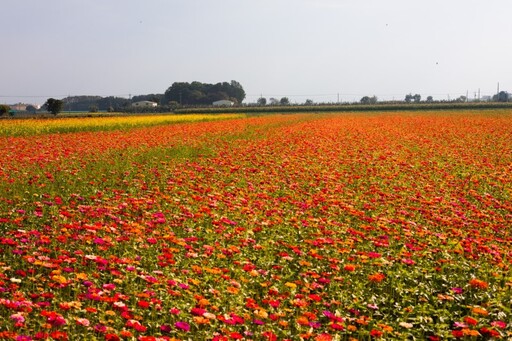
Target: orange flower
{"x": 323, "y": 337}
{"x": 232, "y": 290}
{"x": 125, "y": 333}
{"x": 203, "y": 302}
{"x": 201, "y": 320}
{"x": 385, "y": 328}
{"x": 478, "y": 284}
{"x": 470, "y": 332}
{"x": 376, "y": 277}
{"x": 479, "y": 311}
{"x": 349, "y": 267}
{"x": 283, "y": 324}
{"x": 303, "y": 321}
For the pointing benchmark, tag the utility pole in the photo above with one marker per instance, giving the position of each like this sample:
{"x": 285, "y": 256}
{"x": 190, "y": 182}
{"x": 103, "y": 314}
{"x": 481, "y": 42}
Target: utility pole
{"x": 338, "y": 98}
{"x": 467, "y": 94}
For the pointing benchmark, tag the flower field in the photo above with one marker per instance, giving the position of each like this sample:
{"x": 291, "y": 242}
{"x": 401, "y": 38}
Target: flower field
{"x": 353, "y": 226}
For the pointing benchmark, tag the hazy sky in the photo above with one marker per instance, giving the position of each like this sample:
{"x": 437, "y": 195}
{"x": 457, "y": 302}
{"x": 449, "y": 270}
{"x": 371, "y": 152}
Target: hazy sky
{"x": 297, "y": 48}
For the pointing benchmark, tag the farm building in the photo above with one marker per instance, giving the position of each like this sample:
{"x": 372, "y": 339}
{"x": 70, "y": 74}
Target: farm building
{"x": 144, "y": 104}
{"x": 223, "y": 103}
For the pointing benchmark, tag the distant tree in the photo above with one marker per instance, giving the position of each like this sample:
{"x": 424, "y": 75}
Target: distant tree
{"x": 284, "y": 101}
{"x": 157, "y": 98}
{"x": 369, "y": 100}
{"x": 4, "y": 109}
{"x": 93, "y": 108}
{"x": 417, "y": 98}
{"x": 430, "y": 99}
{"x": 262, "y": 101}
{"x": 54, "y": 105}
{"x": 274, "y": 101}
{"x": 197, "y": 93}
{"x": 31, "y": 109}
{"x": 309, "y": 102}
{"x": 462, "y": 99}
{"x": 503, "y": 96}
{"x": 409, "y": 98}
{"x": 116, "y": 103}
{"x": 173, "y": 105}
{"x": 237, "y": 91}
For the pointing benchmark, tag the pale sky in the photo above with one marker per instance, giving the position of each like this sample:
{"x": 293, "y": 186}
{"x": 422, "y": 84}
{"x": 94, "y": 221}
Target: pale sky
{"x": 296, "y": 48}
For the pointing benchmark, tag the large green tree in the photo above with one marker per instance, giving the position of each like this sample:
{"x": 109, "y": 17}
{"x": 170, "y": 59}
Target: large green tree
{"x": 54, "y": 105}
{"x": 197, "y": 93}
{"x": 4, "y": 109}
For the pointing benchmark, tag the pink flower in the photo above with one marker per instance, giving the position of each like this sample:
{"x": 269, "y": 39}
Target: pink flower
{"x": 174, "y": 311}
{"x": 82, "y": 322}
{"x": 18, "y": 318}
{"x": 457, "y": 290}
{"x": 499, "y": 324}
{"x": 408, "y": 261}
{"x": 109, "y": 286}
{"x": 460, "y": 325}
{"x": 182, "y": 326}
{"x": 99, "y": 241}
{"x": 165, "y": 328}
{"x": 100, "y": 328}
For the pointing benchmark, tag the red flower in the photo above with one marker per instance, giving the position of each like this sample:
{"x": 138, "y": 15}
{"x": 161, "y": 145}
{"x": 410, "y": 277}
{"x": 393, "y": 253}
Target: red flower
{"x": 458, "y": 333}
{"x": 471, "y": 321}
{"x": 143, "y": 304}
{"x": 269, "y": 336}
{"x": 376, "y": 333}
{"x": 58, "y": 335}
{"x": 236, "y": 336}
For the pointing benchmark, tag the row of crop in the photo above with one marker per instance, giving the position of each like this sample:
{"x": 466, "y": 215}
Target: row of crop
{"x": 348, "y": 108}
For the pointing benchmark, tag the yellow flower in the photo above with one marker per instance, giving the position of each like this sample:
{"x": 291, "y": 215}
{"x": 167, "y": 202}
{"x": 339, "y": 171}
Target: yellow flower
{"x": 290, "y": 285}
{"x": 261, "y": 313}
{"x": 59, "y": 279}
{"x": 81, "y": 276}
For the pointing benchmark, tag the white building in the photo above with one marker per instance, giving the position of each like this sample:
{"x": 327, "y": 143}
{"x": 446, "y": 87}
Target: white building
{"x": 223, "y": 103}
{"x": 144, "y": 104}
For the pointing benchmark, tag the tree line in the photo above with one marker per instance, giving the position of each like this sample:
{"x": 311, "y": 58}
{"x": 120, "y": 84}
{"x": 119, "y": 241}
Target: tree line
{"x": 177, "y": 95}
